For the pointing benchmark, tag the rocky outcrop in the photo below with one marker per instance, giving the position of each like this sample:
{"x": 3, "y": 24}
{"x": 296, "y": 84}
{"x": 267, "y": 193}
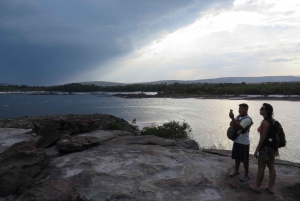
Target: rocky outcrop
{"x": 69, "y": 124}
{"x": 22, "y": 163}
{"x": 118, "y": 165}
{"x": 75, "y": 124}
{"x": 56, "y": 127}
{"x": 152, "y": 171}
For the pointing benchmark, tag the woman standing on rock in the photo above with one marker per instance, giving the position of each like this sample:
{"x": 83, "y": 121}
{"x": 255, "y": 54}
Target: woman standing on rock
{"x": 265, "y": 154}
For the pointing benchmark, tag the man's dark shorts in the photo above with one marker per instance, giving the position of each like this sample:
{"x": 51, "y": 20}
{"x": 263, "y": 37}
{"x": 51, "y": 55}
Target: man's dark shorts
{"x": 240, "y": 152}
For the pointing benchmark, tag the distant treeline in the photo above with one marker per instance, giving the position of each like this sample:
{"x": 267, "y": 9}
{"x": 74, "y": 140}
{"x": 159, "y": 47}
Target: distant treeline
{"x": 235, "y": 89}
{"x": 11, "y": 88}
{"x": 286, "y": 88}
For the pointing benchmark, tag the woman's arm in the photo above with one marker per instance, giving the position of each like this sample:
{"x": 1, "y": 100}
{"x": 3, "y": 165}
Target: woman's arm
{"x": 263, "y": 135}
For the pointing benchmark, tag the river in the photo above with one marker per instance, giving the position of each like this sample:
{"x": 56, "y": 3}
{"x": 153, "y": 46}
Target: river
{"x": 208, "y": 118}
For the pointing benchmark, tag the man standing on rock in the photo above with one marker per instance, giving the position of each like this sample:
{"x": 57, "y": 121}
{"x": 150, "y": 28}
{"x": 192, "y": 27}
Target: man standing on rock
{"x": 240, "y": 149}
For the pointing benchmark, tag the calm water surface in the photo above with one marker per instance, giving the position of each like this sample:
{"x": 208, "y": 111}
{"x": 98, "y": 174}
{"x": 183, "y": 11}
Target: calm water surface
{"x": 208, "y": 118}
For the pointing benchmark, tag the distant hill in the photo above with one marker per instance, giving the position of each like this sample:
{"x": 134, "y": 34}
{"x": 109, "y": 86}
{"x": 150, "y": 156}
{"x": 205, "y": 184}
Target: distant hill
{"x": 211, "y": 81}
{"x": 4, "y": 84}
{"x": 100, "y": 83}
{"x": 247, "y": 79}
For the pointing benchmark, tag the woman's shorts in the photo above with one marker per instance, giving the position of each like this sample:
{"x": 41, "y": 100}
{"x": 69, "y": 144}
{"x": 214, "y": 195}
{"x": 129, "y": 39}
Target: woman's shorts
{"x": 266, "y": 155}
{"x": 240, "y": 152}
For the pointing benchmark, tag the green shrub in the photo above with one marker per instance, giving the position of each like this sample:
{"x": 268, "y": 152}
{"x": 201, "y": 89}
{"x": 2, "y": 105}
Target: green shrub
{"x": 115, "y": 126}
{"x": 172, "y": 129}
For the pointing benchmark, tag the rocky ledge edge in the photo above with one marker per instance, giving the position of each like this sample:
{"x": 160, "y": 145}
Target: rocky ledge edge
{"x": 73, "y": 157}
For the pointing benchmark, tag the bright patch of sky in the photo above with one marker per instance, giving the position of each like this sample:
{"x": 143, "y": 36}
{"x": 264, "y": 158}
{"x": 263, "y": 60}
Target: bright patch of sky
{"x": 252, "y": 38}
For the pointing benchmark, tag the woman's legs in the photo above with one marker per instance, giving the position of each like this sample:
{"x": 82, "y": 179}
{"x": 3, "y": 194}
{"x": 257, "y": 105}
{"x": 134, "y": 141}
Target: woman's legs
{"x": 260, "y": 172}
{"x": 272, "y": 173}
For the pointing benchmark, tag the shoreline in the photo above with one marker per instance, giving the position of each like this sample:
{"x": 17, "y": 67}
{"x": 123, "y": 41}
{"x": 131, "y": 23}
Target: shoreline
{"x": 246, "y": 97}
{"x": 136, "y": 95}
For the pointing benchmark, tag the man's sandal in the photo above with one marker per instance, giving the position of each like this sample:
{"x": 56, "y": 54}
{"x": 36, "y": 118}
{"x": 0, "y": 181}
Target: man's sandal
{"x": 270, "y": 190}
{"x": 234, "y": 173}
{"x": 244, "y": 178}
{"x": 254, "y": 188}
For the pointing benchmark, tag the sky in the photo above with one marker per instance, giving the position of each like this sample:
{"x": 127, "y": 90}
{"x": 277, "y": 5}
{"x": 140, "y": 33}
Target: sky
{"x": 55, "y": 42}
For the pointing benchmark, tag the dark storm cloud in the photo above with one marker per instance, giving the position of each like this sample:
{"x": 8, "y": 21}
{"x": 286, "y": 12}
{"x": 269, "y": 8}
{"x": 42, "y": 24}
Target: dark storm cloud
{"x": 44, "y": 42}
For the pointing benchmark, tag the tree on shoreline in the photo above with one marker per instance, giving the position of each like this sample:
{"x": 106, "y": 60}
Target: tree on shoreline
{"x": 224, "y": 89}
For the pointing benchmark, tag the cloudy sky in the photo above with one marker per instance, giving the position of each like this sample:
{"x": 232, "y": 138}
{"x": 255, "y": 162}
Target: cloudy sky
{"x": 46, "y": 42}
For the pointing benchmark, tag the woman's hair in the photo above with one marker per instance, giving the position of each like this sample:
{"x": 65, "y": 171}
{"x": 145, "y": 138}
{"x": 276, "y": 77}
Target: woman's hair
{"x": 269, "y": 110}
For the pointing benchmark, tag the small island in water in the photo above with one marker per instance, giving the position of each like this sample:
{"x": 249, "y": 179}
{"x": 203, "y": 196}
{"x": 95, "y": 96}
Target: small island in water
{"x": 102, "y": 157}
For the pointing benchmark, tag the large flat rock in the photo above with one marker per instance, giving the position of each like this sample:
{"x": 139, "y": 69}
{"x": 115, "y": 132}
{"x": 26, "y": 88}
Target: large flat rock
{"x": 140, "y": 172}
{"x": 118, "y": 170}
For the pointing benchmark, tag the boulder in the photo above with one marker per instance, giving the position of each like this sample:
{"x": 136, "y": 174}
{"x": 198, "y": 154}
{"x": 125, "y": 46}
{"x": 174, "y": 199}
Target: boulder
{"x": 50, "y": 135}
{"x": 47, "y": 189}
{"x": 11, "y": 180}
{"x": 75, "y": 124}
{"x": 19, "y": 165}
{"x": 188, "y": 144}
{"x": 76, "y": 143}
{"x": 52, "y": 152}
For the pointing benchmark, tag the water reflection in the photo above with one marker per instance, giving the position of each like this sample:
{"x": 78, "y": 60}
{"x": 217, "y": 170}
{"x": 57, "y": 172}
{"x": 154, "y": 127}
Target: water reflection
{"x": 208, "y": 118}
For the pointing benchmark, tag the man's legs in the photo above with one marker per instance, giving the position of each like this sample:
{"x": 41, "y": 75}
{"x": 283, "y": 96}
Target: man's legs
{"x": 236, "y": 168}
{"x": 246, "y": 166}
{"x": 246, "y": 163}
{"x": 236, "y": 157}
{"x": 237, "y": 165}
{"x": 246, "y": 176}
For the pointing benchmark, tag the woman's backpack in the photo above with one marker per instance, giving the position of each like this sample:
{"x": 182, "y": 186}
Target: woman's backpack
{"x": 276, "y": 135}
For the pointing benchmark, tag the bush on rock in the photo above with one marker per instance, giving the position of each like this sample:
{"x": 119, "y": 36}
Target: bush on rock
{"x": 115, "y": 126}
{"x": 172, "y": 129}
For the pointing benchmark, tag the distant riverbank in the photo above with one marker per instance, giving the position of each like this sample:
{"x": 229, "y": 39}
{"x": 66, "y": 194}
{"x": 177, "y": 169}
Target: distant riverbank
{"x": 138, "y": 95}
{"x": 228, "y": 97}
